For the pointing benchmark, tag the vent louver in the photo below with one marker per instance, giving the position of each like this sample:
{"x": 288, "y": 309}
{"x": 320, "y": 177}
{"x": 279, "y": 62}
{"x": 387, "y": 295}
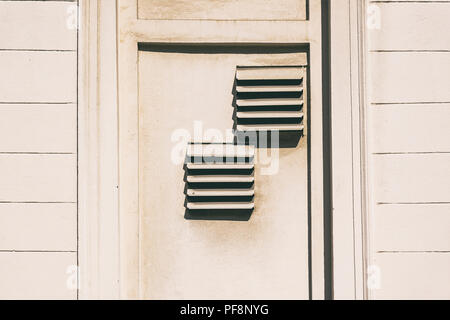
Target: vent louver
{"x": 219, "y": 177}
{"x": 270, "y": 98}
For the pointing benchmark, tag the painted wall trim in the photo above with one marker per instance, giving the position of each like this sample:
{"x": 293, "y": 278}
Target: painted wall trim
{"x": 349, "y": 162}
{"x": 98, "y": 151}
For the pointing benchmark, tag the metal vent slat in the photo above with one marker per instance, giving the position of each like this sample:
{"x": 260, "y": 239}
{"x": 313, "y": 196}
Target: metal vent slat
{"x": 269, "y": 114}
{"x": 265, "y": 88}
{"x": 269, "y": 102}
{"x": 220, "y": 178}
{"x": 214, "y": 166}
{"x": 272, "y": 72}
{"x": 220, "y": 192}
{"x": 278, "y": 127}
{"x": 221, "y": 205}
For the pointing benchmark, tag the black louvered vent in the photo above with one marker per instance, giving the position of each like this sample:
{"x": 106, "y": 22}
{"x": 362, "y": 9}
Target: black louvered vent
{"x": 219, "y": 177}
{"x": 270, "y": 98}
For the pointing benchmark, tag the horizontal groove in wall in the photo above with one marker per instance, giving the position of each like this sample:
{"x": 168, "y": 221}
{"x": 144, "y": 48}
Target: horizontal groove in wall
{"x": 410, "y": 203}
{"x": 32, "y": 152}
{"x": 40, "y": 0}
{"x": 40, "y": 251}
{"x": 418, "y": 251}
{"x": 411, "y": 1}
{"x": 37, "y": 50}
{"x": 35, "y": 102}
{"x": 408, "y": 50}
{"x": 38, "y": 202}
{"x": 408, "y": 103}
{"x": 412, "y": 152}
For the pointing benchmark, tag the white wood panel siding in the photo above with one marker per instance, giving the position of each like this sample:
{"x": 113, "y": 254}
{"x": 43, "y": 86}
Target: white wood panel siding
{"x": 37, "y": 275}
{"x": 410, "y": 77}
{"x": 38, "y": 226}
{"x": 38, "y": 128}
{"x": 413, "y": 275}
{"x": 38, "y": 25}
{"x": 38, "y": 76}
{"x": 409, "y": 101}
{"x": 38, "y": 178}
{"x": 411, "y": 26}
{"x": 410, "y": 128}
{"x": 411, "y": 178}
{"x": 412, "y": 227}
{"x": 38, "y": 148}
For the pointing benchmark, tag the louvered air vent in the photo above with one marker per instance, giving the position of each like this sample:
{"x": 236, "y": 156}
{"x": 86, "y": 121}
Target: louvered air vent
{"x": 219, "y": 177}
{"x": 270, "y": 98}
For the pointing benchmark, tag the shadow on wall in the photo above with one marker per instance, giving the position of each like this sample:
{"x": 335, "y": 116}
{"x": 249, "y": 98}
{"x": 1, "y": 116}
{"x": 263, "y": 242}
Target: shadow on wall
{"x": 219, "y": 215}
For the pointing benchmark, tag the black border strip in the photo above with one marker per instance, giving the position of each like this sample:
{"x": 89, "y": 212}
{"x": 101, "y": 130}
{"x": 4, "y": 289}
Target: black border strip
{"x": 327, "y": 152}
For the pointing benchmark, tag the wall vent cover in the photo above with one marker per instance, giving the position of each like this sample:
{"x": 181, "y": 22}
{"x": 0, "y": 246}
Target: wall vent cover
{"x": 269, "y": 98}
{"x": 219, "y": 180}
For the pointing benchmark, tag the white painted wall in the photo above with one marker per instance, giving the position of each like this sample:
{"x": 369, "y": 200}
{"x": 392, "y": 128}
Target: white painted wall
{"x": 38, "y": 150}
{"x": 409, "y": 150}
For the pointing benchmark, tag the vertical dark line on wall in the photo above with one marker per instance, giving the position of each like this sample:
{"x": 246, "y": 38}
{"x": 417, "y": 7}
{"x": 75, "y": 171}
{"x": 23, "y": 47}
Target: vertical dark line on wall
{"x": 77, "y": 125}
{"x": 362, "y": 49}
{"x": 118, "y": 144}
{"x": 308, "y": 143}
{"x": 307, "y": 10}
{"x": 327, "y": 178}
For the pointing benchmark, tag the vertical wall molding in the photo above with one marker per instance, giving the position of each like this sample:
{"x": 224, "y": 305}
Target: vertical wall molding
{"x": 362, "y": 222}
{"x": 98, "y": 151}
{"x": 349, "y": 163}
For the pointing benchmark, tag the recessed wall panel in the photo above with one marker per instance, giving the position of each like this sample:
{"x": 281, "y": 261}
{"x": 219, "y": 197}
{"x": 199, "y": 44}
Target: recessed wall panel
{"x": 188, "y": 92}
{"x": 222, "y": 9}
